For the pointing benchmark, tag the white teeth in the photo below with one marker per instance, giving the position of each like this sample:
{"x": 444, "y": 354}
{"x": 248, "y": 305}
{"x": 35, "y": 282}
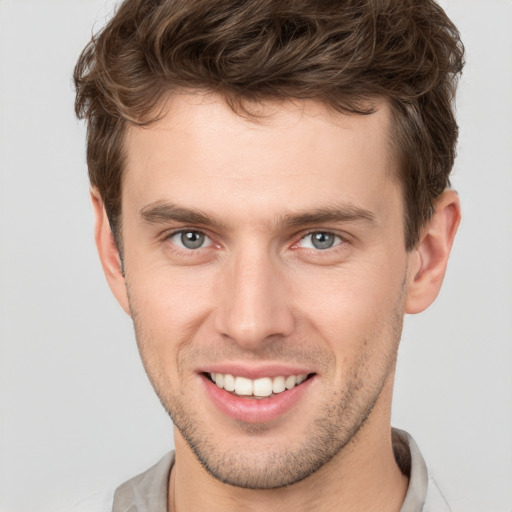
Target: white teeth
{"x": 290, "y": 382}
{"x": 301, "y": 379}
{"x": 229, "y": 382}
{"x": 243, "y": 386}
{"x": 262, "y": 387}
{"x": 278, "y": 385}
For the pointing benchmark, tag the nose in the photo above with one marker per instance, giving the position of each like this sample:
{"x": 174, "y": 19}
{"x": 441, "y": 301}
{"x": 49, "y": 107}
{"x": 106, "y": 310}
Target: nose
{"x": 253, "y": 306}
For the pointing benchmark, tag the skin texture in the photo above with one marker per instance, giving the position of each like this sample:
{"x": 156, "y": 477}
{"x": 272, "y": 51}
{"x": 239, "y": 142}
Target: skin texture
{"x": 257, "y": 294}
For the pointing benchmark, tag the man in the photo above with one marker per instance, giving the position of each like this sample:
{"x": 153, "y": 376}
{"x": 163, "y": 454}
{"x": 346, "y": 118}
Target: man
{"x": 271, "y": 189}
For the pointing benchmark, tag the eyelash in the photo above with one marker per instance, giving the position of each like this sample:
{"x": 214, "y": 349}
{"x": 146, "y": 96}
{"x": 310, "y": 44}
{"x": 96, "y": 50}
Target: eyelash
{"x": 184, "y": 249}
{"x": 338, "y": 240}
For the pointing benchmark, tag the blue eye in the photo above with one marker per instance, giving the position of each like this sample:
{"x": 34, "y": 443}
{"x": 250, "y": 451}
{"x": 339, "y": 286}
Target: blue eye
{"x": 320, "y": 240}
{"x": 190, "y": 239}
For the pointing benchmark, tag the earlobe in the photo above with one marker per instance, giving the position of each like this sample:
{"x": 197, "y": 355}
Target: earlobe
{"x": 429, "y": 259}
{"x": 108, "y": 252}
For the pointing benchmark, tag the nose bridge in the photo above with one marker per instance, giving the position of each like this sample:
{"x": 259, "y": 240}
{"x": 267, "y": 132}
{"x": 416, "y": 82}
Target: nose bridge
{"x": 253, "y": 305}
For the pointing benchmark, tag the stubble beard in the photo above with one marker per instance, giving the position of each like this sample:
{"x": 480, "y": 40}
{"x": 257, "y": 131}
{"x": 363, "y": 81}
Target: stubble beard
{"x": 336, "y": 423}
{"x": 251, "y": 467}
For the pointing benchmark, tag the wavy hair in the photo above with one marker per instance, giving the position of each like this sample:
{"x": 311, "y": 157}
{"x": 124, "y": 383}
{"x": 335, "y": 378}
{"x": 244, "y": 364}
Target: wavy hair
{"x": 342, "y": 53}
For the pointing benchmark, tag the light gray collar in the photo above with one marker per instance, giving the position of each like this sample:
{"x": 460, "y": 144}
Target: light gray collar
{"x": 411, "y": 463}
{"x": 146, "y": 492}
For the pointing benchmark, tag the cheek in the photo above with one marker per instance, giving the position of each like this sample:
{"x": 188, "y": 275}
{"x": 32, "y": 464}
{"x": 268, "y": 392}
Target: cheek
{"x": 351, "y": 306}
{"x": 168, "y": 307}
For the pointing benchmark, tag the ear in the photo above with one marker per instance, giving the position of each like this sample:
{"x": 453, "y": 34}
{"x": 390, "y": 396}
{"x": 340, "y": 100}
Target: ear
{"x": 108, "y": 252}
{"x": 429, "y": 259}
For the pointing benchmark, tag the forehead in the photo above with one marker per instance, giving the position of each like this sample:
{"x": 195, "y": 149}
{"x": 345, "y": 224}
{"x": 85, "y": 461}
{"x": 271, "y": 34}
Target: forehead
{"x": 298, "y": 154}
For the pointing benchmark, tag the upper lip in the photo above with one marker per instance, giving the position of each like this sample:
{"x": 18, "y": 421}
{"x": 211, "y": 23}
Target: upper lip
{"x": 254, "y": 371}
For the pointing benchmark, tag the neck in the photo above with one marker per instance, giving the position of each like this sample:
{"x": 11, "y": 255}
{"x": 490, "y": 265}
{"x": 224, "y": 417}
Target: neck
{"x": 363, "y": 476}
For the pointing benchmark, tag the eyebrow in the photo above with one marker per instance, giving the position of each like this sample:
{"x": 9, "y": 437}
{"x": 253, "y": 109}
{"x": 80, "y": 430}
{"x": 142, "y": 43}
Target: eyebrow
{"x": 161, "y": 212}
{"x": 345, "y": 213}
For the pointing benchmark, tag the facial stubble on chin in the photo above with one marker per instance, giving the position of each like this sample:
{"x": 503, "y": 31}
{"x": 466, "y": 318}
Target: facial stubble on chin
{"x": 334, "y": 427}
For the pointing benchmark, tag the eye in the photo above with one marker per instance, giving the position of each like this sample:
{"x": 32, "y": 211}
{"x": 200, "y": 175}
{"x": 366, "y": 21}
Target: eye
{"x": 320, "y": 240}
{"x": 190, "y": 239}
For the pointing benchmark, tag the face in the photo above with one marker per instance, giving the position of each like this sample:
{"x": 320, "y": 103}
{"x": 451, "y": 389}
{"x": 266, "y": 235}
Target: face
{"x": 266, "y": 275}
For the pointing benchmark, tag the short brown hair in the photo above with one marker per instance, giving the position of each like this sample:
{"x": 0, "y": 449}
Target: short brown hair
{"x": 341, "y": 53}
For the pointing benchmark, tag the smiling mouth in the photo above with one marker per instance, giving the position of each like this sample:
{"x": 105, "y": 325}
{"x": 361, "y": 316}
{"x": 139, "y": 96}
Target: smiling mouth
{"x": 264, "y": 387}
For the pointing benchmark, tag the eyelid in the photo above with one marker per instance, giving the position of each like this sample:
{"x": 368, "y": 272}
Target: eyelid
{"x": 170, "y": 235}
{"x": 341, "y": 239}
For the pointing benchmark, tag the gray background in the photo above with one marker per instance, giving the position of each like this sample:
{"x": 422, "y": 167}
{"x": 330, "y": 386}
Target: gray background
{"x": 77, "y": 413}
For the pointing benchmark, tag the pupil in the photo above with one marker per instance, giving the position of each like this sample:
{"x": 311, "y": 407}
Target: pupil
{"x": 322, "y": 240}
{"x": 192, "y": 239}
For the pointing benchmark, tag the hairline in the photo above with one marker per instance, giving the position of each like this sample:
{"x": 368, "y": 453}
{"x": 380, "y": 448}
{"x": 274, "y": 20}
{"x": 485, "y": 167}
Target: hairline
{"x": 256, "y": 115}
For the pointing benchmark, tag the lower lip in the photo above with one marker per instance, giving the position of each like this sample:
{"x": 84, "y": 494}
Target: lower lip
{"x": 255, "y": 410}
